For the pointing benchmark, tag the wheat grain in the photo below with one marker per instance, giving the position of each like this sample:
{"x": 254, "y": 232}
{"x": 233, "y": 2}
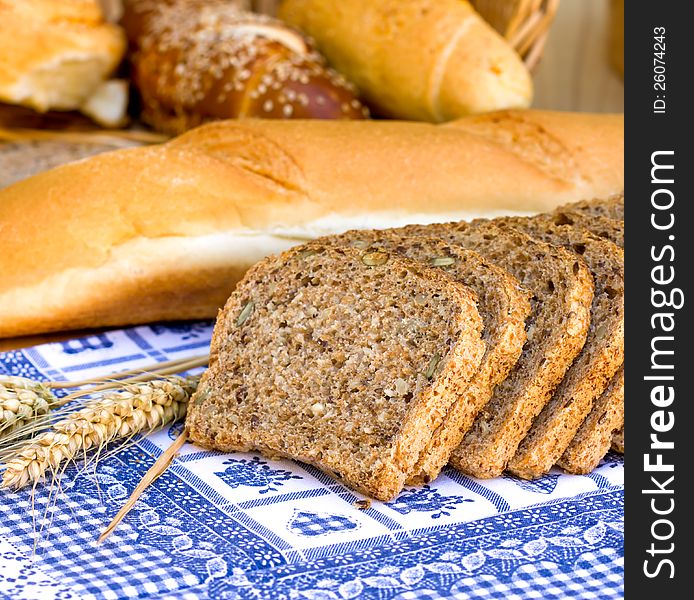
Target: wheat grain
{"x": 138, "y": 408}
{"x": 21, "y": 401}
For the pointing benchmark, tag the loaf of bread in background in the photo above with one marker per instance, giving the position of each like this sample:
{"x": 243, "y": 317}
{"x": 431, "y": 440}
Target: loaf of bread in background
{"x": 165, "y": 232}
{"x": 198, "y": 60}
{"x": 58, "y": 55}
{"x": 429, "y": 60}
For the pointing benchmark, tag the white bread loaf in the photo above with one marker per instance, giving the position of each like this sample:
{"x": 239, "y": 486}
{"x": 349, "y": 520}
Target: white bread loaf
{"x": 57, "y": 55}
{"x": 430, "y": 60}
{"x": 164, "y": 232}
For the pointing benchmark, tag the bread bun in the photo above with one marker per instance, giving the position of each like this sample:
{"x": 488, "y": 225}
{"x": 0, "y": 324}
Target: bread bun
{"x": 203, "y": 60}
{"x": 57, "y": 55}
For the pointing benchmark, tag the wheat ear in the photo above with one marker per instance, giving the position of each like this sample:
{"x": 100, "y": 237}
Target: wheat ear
{"x": 21, "y": 401}
{"x": 138, "y": 408}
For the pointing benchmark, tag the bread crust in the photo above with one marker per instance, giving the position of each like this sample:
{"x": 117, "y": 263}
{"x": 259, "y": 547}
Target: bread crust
{"x": 280, "y": 429}
{"x": 195, "y": 61}
{"x": 601, "y": 427}
{"x": 431, "y": 60}
{"x": 556, "y": 330}
{"x": 78, "y": 50}
{"x": 106, "y": 225}
{"x": 600, "y": 357}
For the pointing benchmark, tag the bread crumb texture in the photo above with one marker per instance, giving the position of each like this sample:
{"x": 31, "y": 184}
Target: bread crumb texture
{"x": 341, "y": 358}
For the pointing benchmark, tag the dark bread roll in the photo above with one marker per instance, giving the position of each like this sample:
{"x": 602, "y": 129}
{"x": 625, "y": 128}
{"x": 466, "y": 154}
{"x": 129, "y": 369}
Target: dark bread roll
{"x": 200, "y": 60}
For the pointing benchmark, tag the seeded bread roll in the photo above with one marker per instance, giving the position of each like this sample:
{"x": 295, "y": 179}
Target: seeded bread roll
{"x": 432, "y": 60}
{"x": 562, "y": 289}
{"x": 600, "y": 357}
{"x": 597, "y": 432}
{"x": 504, "y": 307}
{"x": 198, "y": 60}
{"x": 345, "y": 360}
{"x": 169, "y": 229}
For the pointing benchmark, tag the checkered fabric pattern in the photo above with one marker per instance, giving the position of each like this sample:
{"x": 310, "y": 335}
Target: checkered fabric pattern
{"x": 594, "y": 578}
{"x": 243, "y": 526}
{"x": 60, "y": 546}
{"x": 310, "y": 524}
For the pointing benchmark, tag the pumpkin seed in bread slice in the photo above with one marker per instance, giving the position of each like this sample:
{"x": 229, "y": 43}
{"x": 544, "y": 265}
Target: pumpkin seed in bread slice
{"x": 601, "y": 356}
{"x": 343, "y": 359}
{"x": 562, "y": 289}
{"x": 594, "y": 437}
{"x": 504, "y": 307}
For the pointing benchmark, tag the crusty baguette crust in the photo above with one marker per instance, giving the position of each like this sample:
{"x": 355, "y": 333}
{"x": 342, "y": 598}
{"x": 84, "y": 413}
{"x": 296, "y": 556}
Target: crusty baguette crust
{"x": 431, "y": 60}
{"x": 165, "y": 232}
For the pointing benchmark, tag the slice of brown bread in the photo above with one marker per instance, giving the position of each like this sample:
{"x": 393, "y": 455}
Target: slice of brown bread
{"x": 504, "y": 307}
{"x": 604, "y": 227}
{"x": 601, "y": 356}
{"x": 612, "y": 208}
{"x": 605, "y": 219}
{"x": 562, "y": 289}
{"x": 342, "y": 359}
{"x": 593, "y": 439}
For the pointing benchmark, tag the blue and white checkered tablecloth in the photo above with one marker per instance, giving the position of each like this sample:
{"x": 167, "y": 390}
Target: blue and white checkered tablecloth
{"x": 240, "y": 526}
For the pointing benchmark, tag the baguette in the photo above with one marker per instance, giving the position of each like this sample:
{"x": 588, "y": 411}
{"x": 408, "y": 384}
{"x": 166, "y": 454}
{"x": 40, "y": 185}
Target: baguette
{"x": 165, "y": 232}
{"x": 429, "y": 60}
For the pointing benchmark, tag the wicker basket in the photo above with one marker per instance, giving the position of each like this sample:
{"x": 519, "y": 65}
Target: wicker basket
{"x": 524, "y": 23}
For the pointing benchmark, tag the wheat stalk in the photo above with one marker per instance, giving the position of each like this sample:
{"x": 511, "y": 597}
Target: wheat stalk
{"x": 21, "y": 401}
{"x": 138, "y": 408}
{"x": 27, "y": 407}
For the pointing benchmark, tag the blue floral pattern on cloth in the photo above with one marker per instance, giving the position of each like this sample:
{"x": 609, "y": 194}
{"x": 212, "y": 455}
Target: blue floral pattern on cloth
{"x": 240, "y": 526}
{"x": 254, "y": 473}
{"x": 544, "y": 485}
{"x": 426, "y": 499}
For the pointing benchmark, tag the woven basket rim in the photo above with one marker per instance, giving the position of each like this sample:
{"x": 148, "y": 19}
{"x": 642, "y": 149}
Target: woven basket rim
{"x": 525, "y": 25}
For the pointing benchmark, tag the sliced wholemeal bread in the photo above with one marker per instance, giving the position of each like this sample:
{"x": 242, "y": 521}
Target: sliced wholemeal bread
{"x": 612, "y": 208}
{"x": 562, "y": 289}
{"x": 604, "y": 227}
{"x": 504, "y": 307}
{"x": 594, "y": 437}
{"x": 601, "y": 356}
{"x": 342, "y": 359}
{"x": 605, "y": 219}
